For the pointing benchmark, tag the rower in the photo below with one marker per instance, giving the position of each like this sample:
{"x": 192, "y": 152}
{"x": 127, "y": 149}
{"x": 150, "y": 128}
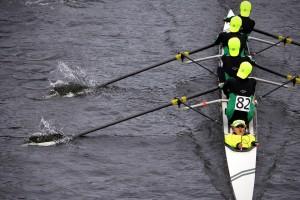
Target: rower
{"x": 223, "y": 37}
{"x": 239, "y": 139}
{"x": 232, "y": 62}
{"x": 247, "y": 23}
{"x": 240, "y": 92}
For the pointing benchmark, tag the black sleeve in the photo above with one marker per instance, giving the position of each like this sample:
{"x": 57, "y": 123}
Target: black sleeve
{"x": 226, "y": 88}
{"x": 252, "y": 24}
{"x": 254, "y": 143}
{"x": 219, "y": 39}
{"x": 254, "y": 85}
{"x": 251, "y": 61}
{"x": 227, "y": 19}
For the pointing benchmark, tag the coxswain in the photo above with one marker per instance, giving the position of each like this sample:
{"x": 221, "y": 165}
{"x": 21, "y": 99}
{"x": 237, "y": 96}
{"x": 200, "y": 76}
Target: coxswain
{"x": 223, "y": 37}
{"x": 240, "y": 93}
{"x": 239, "y": 139}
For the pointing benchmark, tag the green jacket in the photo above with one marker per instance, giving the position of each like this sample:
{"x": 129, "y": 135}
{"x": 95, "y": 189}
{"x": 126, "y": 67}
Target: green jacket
{"x": 231, "y": 107}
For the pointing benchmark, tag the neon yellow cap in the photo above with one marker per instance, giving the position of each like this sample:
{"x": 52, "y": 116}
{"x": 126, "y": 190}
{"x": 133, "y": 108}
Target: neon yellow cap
{"x": 245, "y": 8}
{"x": 235, "y": 24}
{"x": 245, "y": 70}
{"x": 235, "y": 123}
{"x": 234, "y": 46}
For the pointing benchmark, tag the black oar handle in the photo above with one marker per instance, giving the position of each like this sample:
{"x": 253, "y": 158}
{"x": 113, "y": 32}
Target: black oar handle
{"x": 140, "y": 114}
{"x": 150, "y": 67}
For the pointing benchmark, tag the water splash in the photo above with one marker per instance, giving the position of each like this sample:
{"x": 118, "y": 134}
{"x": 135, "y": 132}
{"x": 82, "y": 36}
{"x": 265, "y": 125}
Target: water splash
{"x": 47, "y": 127}
{"x": 47, "y": 133}
{"x": 69, "y": 80}
{"x": 37, "y": 2}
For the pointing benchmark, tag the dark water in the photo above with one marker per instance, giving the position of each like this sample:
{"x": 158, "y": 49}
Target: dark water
{"x": 169, "y": 154}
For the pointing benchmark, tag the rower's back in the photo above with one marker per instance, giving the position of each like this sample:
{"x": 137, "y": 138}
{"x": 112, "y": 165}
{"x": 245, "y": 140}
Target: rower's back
{"x": 224, "y": 37}
{"x": 231, "y": 62}
{"x": 247, "y": 23}
{"x": 240, "y": 92}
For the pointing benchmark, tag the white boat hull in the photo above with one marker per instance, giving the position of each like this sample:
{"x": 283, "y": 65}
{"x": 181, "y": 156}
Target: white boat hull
{"x": 241, "y": 165}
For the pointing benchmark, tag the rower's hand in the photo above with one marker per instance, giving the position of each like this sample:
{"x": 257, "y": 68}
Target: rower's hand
{"x": 221, "y": 85}
{"x": 255, "y": 102}
{"x": 256, "y": 144}
{"x": 240, "y": 146}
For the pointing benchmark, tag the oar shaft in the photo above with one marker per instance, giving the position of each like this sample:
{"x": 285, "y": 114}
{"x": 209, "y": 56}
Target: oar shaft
{"x": 274, "y": 36}
{"x": 136, "y": 72}
{"x": 271, "y": 71}
{"x": 203, "y": 59}
{"x": 260, "y": 40}
{"x": 140, "y": 114}
{"x": 197, "y": 63}
{"x": 150, "y": 67}
{"x": 202, "y": 49}
{"x": 122, "y": 120}
{"x": 266, "y": 33}
{"x": 267, "y": 81}
{"x": 273, "y": 90}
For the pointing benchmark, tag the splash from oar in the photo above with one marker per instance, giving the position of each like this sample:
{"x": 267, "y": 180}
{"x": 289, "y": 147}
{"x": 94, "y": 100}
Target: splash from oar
{"x": 46, "y": 141}
{"x": 63, "y": 89}
{"x": 69, "y": 80}
{"x": 48, "y": 135}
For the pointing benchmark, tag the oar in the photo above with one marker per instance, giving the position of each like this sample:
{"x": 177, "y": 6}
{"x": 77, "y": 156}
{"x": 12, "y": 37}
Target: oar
{"x": 260, "y": 40}
{"x": 288, "y": 77}
{"x": 173, "y": 102}
{"x": 205, "y": 103}
{"x": 288, "y": 40}
{"x": 268, "y": 47}
{"x": 185, "y": 55}
{"x": 205, "y": 58}
{"x": 270, "y": 71}
{"x": 197, "y": 111}
{"x": 280, "y": 86}
{"x": 151, "y": 67}
{"x": 268, "y": 82}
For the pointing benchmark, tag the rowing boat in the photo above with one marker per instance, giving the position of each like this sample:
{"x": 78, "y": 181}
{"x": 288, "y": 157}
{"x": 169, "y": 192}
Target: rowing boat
{"x": 241, "y": 164}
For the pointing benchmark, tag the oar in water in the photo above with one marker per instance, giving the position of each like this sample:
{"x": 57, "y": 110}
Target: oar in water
{"x": 175, "y": 101}
{"x": 286, "y": 40}
{"x": 151, "y": 67}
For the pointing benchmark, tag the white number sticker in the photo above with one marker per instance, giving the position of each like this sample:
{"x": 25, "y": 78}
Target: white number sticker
{"x": 242, "y": 103}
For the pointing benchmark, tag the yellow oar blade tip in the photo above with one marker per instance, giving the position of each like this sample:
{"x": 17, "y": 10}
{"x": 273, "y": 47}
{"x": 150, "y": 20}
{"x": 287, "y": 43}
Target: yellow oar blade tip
{"x": 296, "y": 79}
{"x": 180, "y": 56}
